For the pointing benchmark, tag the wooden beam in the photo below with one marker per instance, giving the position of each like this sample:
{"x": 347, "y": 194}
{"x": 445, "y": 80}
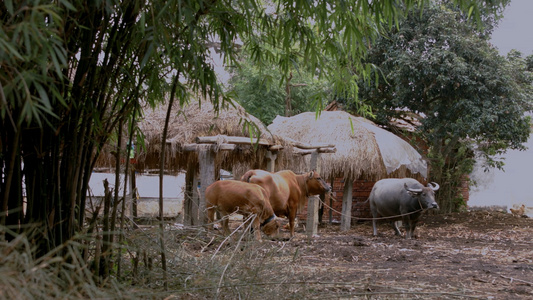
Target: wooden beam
{"x": 275, "y": 148}
{"x": 221, "y": 147}
{"x": 299, "y": 151}
{"x": 309, "y": 146}
{"x": 327, "y": 150}
{"x": 231, "y": 140}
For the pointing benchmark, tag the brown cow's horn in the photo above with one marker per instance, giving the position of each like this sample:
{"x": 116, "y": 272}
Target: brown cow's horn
{"x": 434, "y": 186}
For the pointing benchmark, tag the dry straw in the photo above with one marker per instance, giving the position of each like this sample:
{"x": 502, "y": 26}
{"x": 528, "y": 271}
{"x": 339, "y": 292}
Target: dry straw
{"x": 197, "y": 119}
{"x": 363, "y": 149}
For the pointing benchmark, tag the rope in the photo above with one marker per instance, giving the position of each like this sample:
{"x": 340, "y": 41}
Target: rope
{"x": 370, "y": 219}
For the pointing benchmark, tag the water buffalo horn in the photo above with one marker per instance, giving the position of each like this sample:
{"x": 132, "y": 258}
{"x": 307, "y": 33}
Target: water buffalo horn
{"x": 434, "y": 186}
{"x": 411, "y": 189}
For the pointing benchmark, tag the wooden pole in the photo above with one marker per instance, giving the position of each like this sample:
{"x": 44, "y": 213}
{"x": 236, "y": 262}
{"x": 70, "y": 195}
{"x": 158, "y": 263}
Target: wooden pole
{"x": 231, "y": 140}
{"x": 195, "y": 200}
{"x": 346, "y": 217}
{"x": 313, "y": 202}
{"x": 206, "y": 157}
{"x": 312, "y": 216}
{"x": 330, "y": 215}
{"x": 271, "y": 163}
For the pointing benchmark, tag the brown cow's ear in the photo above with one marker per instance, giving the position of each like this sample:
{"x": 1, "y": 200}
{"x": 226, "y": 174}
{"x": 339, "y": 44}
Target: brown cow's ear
{"x": 311, "y": 174}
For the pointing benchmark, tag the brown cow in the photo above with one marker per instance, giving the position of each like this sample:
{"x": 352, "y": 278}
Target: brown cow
{"x": 288, "y": 191}
{"x": 231, "y": 196}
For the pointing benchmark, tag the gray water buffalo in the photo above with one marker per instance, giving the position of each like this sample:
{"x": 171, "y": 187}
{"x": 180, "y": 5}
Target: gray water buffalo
{"x": 401, "y": 199}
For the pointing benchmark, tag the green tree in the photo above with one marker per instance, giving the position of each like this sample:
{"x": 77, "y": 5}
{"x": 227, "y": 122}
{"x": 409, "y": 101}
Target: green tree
{"x": 260, "y": 90}
{"x": 72, "y": 72}
{"x": 441, "y": 74}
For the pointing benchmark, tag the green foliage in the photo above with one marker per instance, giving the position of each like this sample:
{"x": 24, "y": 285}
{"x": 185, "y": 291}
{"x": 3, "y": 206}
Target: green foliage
{"x": 465, "y": 95}
{"x": 262, "y": 93}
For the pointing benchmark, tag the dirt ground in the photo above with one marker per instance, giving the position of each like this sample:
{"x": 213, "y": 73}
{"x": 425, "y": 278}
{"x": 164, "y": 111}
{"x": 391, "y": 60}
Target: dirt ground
{"x": 479, "y": 255}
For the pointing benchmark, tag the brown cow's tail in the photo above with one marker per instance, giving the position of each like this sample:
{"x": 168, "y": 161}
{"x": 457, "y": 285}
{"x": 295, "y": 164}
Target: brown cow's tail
{"x": 246, "y": 177}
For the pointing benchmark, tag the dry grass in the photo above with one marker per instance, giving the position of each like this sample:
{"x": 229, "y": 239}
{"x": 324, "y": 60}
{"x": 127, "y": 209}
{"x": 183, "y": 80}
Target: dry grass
{"x": 209, "y": 266}
{"x": 458, "y": 256}
{"x": 60, "y": 274}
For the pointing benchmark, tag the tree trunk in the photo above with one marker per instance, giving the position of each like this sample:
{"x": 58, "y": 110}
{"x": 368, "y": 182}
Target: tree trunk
{"x": 161, "y": 177}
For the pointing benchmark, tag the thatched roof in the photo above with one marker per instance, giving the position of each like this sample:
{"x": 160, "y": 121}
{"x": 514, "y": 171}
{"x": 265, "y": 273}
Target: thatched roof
{"x": 367, "y": 151}
{"x": 198, "y": 118}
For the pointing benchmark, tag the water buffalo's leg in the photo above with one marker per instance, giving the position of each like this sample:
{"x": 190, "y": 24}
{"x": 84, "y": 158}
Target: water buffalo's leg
{"x": 395, "y": 227}
{"x": 412, "y": 226}
{"x": 374, "y": 226}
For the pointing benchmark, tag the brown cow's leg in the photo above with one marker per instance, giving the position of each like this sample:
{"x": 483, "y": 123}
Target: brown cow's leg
{"x": 225, "y": 225}
{"x": 292, "y": 216}
{"x": 256, "y": 225}
{"x": 211, "y": 217}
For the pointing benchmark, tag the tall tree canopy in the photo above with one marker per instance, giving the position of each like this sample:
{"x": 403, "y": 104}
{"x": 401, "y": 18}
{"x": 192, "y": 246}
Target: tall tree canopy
{"x": 440, "y": 73}
{"x": 261, "y": 92}
{"x": 73, "y": 71}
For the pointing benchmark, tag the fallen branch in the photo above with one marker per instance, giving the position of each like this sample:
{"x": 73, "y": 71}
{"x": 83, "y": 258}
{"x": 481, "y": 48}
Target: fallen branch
{"x": 519, "y": 280}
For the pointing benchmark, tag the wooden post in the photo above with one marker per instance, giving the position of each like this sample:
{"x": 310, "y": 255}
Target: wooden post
{"x": 206, "y": 158}
{"x": 313, "y": 202}
{"x": 195, "y": 200}
{"x": 271, "y": 163}
{"x": 312, "y": 216}
{"x": 346, "y": 217}
{"x": 331, "y": 204}
{"x": 314, "y": 160}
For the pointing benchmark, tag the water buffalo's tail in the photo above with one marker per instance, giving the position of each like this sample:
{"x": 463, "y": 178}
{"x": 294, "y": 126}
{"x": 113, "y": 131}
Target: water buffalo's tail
{"x": 246, "y": 177}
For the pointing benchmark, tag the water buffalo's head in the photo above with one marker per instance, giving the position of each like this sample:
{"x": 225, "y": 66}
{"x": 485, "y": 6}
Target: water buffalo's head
{"x": 315, "y": 184}
{"x": 425, "y": 195}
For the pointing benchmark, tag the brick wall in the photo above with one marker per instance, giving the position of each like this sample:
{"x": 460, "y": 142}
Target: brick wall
{"x": 465, "y": 188}
{"x": 361, "y": 191}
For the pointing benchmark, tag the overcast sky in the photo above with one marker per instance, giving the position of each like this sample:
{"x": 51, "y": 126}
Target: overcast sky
{"x": 512, "y": 187}
{"x": 516, "y": 29}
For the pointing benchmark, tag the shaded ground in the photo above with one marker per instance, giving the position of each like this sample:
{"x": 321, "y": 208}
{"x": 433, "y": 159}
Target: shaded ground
{"x": 480, "y": 255}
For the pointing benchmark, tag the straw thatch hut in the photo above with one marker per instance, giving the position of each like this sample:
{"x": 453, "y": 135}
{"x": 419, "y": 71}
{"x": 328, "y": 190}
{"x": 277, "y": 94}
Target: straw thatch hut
{"x": 363, "y": 149}
{"x": 365, "y": 153}
{"x": 198, "y": 119}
